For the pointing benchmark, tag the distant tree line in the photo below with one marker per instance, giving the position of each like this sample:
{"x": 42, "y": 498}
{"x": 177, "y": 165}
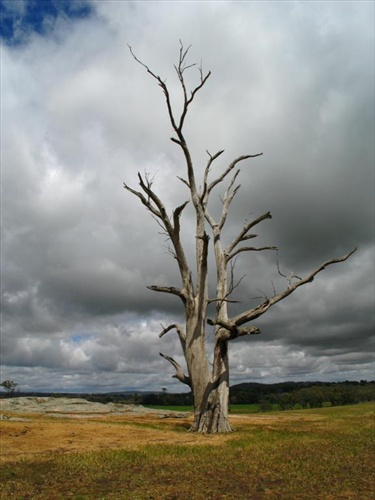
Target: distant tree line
{"x": 289, "y": 395}
{"x": 281, "y": 396}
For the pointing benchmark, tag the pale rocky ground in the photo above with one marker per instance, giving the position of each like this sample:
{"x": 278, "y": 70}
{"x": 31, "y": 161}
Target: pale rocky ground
{"x": 76, "y": 408}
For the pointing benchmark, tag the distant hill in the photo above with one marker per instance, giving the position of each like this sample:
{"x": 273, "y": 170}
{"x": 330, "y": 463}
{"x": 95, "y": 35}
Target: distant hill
{"x": 284, "y": 395}
{"x": 306, "y": 394}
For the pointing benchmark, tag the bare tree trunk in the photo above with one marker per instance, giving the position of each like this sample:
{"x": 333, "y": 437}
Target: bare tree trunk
{"x": 213, "y": 416}
{"x": 210, "y": 388}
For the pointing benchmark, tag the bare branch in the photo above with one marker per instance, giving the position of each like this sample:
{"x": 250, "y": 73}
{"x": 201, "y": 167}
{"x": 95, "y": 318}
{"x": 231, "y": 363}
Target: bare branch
{"x": 177, "y": 214}
{"x": 168, "y": 289}
{"x": 211, "y": 301}
{"x": 180, "y": 69}
{"x": 232, "y": 284}
{"x": 202, "y": 266}
{"x": 250, "y": 330}
{"x": 230, "y": 186}
{"x": 292, "y": 275}
{"x": 231, "y": 288}
{"x": 180, "y": 140}
{"x": 162, "y": 85}
{"x": 228, "y": 198}
{"x": 264, "y": 295}
{"x": 156, "y": 207}
{"x": 176, "y": 230}
{"x": 146, "y": 202}
{"x": 207, "y": 171}
{"x": 173, "y": 139}
{"x": 249, "y": 237}
{"x": 278, "y": 266}
{"x": 249, "y": 249}
{"x": 229, "y": 330}
{"x": 179, "y": 372}
{"x": 243, "y": 234}
{"x": 184, "y": 181}
{"x": 262, "y": 308}
{"x": 146, "y": 186}
{"x": 180, "y": 332}
{"x": 183, "y": 54}
{"x": 212, "y": 158}
{"x": 203, "y": 81}
{"x": 179, "y": 328}
{"x": 229, "y": 169}
{"x": 144, "y": 65}
{"x": 164, "y": 232}
{"x": 173, "y": 232}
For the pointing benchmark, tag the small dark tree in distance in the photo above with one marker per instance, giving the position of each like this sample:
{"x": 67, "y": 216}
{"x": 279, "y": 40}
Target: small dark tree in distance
{"x": 208, "y": 379}
{"x": 10, "y": 386}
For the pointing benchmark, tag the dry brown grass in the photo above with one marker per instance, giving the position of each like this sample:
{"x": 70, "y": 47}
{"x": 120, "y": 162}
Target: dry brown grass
{"x": 41, "y": 434}
{"x": 325, "y": 454}
{"x": 45, "y": 434}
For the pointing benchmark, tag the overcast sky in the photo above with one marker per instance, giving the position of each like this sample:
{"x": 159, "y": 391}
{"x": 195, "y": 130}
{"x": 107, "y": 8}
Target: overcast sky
{"x": 294, "y": 80}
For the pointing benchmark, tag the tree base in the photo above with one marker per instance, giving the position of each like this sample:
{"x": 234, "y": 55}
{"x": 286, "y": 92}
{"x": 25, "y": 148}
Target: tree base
{"x": 211, "y": 421}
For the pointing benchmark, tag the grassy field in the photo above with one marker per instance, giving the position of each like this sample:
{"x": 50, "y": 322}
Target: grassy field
{"x": 325, "y": 453}
{"x": 235, "y": 409}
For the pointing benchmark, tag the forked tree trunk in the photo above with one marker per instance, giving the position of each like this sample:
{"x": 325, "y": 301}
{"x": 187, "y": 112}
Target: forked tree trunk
{"x": 215, "y": 416}
{"x": 211, "y": 409}
{"x": 210, "y": 387}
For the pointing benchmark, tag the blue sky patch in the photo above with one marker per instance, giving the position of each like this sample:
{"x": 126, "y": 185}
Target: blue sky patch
{"x": 80, "y": 337}
{"x": 21, "y": 18}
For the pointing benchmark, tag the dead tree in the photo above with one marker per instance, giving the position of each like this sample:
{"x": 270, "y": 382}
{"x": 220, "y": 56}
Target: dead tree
{"x": 209, "y": 381}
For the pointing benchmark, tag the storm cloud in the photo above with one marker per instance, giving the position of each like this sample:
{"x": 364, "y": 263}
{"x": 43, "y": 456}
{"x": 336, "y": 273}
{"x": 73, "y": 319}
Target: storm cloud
{"x": 293, "y": 80}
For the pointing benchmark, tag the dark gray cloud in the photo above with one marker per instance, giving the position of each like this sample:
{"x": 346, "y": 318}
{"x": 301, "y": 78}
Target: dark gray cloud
{"x": 80, "y": 117}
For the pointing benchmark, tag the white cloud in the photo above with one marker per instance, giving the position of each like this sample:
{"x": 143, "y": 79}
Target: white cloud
{"x": 80, "y": 117}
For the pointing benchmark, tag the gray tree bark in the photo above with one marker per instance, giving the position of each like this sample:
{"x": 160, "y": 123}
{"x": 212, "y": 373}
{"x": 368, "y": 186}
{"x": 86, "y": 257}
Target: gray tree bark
{"x": 209, "y": 384}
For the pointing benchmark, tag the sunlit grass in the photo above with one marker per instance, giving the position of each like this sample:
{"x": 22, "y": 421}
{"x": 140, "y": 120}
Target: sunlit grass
{"x": 235, "y": 409}
{"x": 171, "y": 407}
{"x": 315, "y": 454}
